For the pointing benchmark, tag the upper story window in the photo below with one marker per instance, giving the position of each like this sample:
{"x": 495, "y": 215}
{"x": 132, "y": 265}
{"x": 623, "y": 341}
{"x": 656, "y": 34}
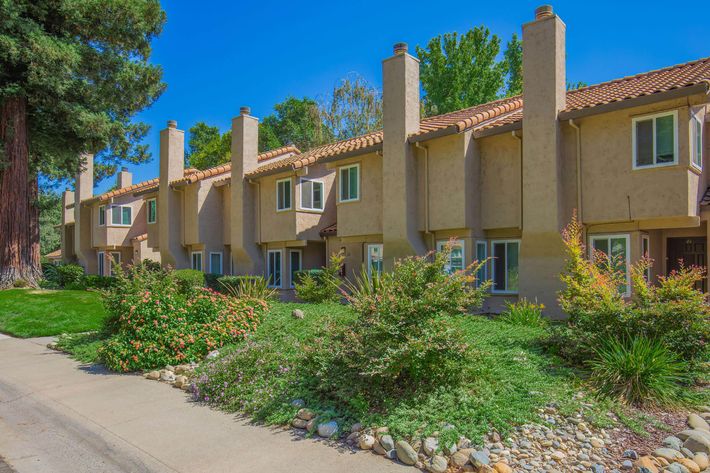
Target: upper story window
{"x": 616, "y": 250}
{"x": 311, "y": 195}
{"x": 456, "y": 256}
{"x": 151, "y": 211}
{"x": 121, "y": 215}
{"x": 655, "y": 140}
{"x": 349, "y": 183}
{"x": 283, "y": 194}
{"x": 102, "y": 217}
{"x": 696, "y": 140}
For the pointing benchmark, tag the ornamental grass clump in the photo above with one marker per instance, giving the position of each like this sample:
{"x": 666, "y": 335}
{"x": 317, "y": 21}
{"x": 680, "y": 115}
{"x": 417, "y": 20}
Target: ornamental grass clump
{"x": 153, "y": 324}
{"x": 524, "y": 313}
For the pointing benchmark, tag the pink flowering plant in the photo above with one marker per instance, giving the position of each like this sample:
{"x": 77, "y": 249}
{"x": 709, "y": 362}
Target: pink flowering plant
{"x": 153, "y": 324}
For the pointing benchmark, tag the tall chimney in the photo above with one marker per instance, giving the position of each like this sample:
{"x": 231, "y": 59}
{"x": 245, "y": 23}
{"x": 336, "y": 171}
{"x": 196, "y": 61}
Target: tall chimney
{"x": 83, "y": 190}
{"x": 172, "y": 167}
{"x": 67, "y": 218}
{"x": 124, "y": 178}
{"x": 544, "y": 96}
{"x": 400, "y": 107}
{"x": 246, "y": 254}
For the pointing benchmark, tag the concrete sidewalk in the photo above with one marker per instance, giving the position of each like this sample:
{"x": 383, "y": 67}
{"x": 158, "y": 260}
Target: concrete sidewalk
{"x": 58, "y": 416}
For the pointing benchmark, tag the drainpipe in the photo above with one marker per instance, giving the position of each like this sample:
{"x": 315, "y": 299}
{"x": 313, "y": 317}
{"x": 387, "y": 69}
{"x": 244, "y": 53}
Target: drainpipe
{"x": 426, "y": 186}
{"x": 520, "y": 139}
{"x": 579, "y": 169}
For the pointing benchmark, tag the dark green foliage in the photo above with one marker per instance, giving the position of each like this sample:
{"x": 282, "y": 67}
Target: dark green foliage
{"x": 638, "y": 370}
{"x": 513, "y": 60}
{"x": 50, "y": 215}
{"x": 354, "y": 108}
{"x": 69, "y": 274}
{"x": 525, "y": 313}
{"x": 212, "y": 281}
{"x": 320, "y": 285}
{"x": 294, "y": 121}
{"x": 94, "y": 281}
{"x": 235, "y": 280}
{"x": 207, "y": 147}
{"x": 19, "y": 283}
{"x": 188, "y": 279}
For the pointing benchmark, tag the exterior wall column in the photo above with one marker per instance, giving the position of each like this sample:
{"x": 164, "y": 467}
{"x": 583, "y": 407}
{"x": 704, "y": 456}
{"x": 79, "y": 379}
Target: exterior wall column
{"x": 172, "y": 167}
{"x": 83, "y": 190}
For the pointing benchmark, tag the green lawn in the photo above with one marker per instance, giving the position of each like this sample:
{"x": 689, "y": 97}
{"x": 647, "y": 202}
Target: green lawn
{"x": 37, "y": 313}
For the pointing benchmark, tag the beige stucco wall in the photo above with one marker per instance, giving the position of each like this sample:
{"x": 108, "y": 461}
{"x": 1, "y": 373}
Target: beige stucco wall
{"x": 354, "y": 251}
{"x": 364, "y": 216}
{"x": 110, "y": 235}
{"x": 500, "y": 191}
{"x": 276, "y": 225}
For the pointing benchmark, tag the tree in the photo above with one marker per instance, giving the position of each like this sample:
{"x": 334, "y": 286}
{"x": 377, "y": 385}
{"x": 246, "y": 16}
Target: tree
{"x": 576, "y": 85}
{"x": 294, "y": 121}
{"x": 207, "y": 147}
{"x": 354, "y": 108}
{"x": 72, "y": 76}
{"x": 513, "y": 60}
{"x": 50, "y": 215}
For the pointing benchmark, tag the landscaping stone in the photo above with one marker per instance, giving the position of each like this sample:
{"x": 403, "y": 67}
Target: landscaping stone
{"x": 387, "y": 442}
{"x": 647, "y": 463}
{"x": 312, "y": 424}
{"x": 698, "y": 423}
{"x": 690, "y": 465}
{"x": 328, "y": 429}
{"x": 667, "y": 453}
{"x": 379, "y": 449}
{"x": 170, "y": 368}
{"x": 212, "y": 355}
{"x": 167, "y": 375}
{"x": 627, "y": 465}
{"x": 299, "y": 423}
{"x": 366, "y": 442}
{"x": 183, "y": 369}
{"x": 701, "y": 459}
{"x": 459, "y": 458}
{"x": 356, "y": 427}
{"x": 405, "y": 453}
{"x": 630, "y": 454}
{"x": 430, "y": 446}
{"x": 297, "y": 314}
{"x": 305, "y": 414}
{"x": 298, "y": 403}
{"x": 437, "y": 464}
{"x": 673, "y": 442}
{"x": 697, "y": 443}
{"x": 152, "y": 375}
{"x": 676, "y": 468}
{"x": 501, "y": 467}
{"x": 479, "y": 458}
{"x": 180, "y": 381}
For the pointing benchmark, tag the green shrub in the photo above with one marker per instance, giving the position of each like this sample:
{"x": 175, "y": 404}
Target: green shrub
{"x": 233, "y": 281}
{"x": 154, "y": 324}
{"x": 212, "y": 281}
{"x": 69, "y": 274}
{"x": 637, "y": 370}
{"x": 524, "y": 313}
{"x": 20, "y": 283}
{"x": 403, "y": 337}
{"x": 248, "y": 288}
{"x": 320, "y": 285}
{"x": 189, "y": 279}
{"x": 94, "y": 281}
{"x": 50, "y": 273}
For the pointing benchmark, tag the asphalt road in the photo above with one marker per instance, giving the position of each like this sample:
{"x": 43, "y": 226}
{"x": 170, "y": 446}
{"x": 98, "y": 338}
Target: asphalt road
{"x": 57, "y": 416}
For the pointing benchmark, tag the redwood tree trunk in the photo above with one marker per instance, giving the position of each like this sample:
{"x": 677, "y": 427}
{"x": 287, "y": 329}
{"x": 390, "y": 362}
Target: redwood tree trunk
{"x": 19, "y": 214}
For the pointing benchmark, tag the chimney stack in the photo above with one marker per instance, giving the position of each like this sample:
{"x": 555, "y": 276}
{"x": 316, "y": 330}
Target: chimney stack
{"x": 246, "y": 254}
{"x": 400, "y": 103}
{"x": 172, "y": 167}
{"x": 124, "y": 178}
{"x": 544, "y": 96}
{"x": 83, "y": 190}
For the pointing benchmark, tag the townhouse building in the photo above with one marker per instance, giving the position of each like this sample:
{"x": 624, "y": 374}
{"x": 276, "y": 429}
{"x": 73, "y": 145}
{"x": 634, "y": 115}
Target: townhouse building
{"x": 500, "y": 180}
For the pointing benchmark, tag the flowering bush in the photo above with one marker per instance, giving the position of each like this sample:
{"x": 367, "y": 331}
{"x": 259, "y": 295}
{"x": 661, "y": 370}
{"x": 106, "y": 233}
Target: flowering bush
{"x": 154, "y": 324}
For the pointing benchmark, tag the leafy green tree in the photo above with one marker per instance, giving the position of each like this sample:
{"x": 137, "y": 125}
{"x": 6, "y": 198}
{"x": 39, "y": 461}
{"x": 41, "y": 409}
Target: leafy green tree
{"x": 513, "y": 60}
{"x": 72, "y": 76}
{"x": 294, "y": 121}
{"x": 576, "y": 85}
{"x": 50, "y": 215}
{"x": 207, "y": 147}
{"x": 354, "y": 108}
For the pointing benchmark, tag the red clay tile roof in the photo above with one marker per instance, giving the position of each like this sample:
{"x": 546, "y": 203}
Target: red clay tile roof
{"x": 142, "y": 237}
{"x": 227, "y": 167}
{"x": 330, "y": 230}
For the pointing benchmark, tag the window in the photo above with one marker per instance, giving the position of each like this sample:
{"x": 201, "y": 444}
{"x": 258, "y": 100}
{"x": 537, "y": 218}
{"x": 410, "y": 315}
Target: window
{"x": 274, "y": 268}
{"x": 505, "y": 266}
{"x": 102, "y": 261}
{"x": 121, "y": 215}
{"x": 311, "y": 195}
{"x": 102, "y": 215}
{"x": 197, "y": 260}
{"x": 374, "y": 260}
{"x": 645, "y": 252}
{"x": 456, "y": 257}
{"x": 481, "y": 255}
{"x": 655, "y": 140}
{"x": 295, "y": 262}
{"x": 349, "y": 183}
{"x": 151, "y": 211}
{"x": 283, "y": 194}
{"x": 115, "y": 262}
{"x": 216, "y": 263}
{"x": 696, "y": 140}
{"x": 616, "y": 248}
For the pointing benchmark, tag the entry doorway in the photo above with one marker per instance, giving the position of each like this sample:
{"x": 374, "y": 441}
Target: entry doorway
{"x": 691, "y": 251}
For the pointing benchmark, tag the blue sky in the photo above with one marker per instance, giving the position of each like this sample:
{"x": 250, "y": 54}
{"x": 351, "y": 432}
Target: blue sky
{"x": 219, "y": 55}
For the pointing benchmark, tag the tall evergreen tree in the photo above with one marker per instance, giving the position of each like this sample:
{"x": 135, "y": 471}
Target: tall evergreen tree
{"x": 513, "y": 60}
{"x": 73, "y": 73}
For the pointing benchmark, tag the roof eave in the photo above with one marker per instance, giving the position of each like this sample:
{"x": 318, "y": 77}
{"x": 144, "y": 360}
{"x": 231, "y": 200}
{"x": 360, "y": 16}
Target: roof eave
{"x": 350, "y": 154}
{"x": 449, "y": 130}
{"x": 498, "y": 130}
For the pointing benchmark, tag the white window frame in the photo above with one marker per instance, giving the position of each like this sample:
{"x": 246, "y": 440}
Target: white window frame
{"x": 281, "y": 268}
{"x": 147, "y": 210}
{"x": 102, "y": 211}
{"x": 221, "y": 262}
{"x": 695, "y": 150}
{"x": 646, "y": 241}
{"x": 192, "y": 260}
{"x": 101, "y": 257}
{"x": 120, "y": 208}
{"x": 290, "y": 267}
{"x": 340, "y": 182}
{"x": 368, "y": 262}
{"x": 115, "y": 261}
{"x": 493, "y": 267}
{"x": 654, "y": 117}
{"x": 608, "y": 237}
{"x": 322, "y": 194}
{"x": 290, "y": 196}
{"x": 441, "y": 244}
{"x": 482, "y": 244}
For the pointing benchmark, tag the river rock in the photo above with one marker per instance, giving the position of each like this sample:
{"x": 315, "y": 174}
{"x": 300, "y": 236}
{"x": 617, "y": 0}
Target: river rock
{"x": 299, "y": 403}
{"x": 689, "y": 464}
{"x": 430, "y": 446}
{"x": 366, "y": 442}
{"x": 297, "y": 314}
{"x": 167, "y": 375}
{"x": 437, "y": 464}
{"x": 701, "y": 459}
{"x": 328, "y": 429}
{"x": 387, "y": 442}
{"x": 501, "y": 467}
{"x": 152, "y": 375}
{"x": 676, "y": 468}
{"x": 406, "y": 453}
{"x": 673, "y": 442}
{"x": 305, "y": 414}
{"x": 459, "y": 458}
{"x": 697, "y": 422}
{"x": 697, "y": 443}
{"x": 668, "y": 453}
{"x": 479, "y": 458}
{"x": 299, "y": 423}
{"x": 180, "y": 381}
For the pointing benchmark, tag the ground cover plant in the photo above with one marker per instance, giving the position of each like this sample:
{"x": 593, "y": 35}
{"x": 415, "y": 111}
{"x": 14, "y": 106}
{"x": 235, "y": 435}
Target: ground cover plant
{"x": 39, "y": 312}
